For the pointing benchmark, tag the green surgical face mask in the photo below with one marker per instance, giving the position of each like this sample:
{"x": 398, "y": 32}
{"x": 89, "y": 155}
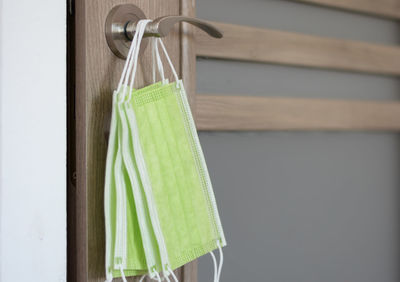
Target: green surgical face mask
{"x": 178, "y": 175}
{"x": 131, "y": 247}
{"x": 124, "y": 230}
{"x": 159, "y": 204}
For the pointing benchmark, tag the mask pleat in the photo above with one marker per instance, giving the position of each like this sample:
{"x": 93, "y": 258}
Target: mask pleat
{"x": 160, "y": 209}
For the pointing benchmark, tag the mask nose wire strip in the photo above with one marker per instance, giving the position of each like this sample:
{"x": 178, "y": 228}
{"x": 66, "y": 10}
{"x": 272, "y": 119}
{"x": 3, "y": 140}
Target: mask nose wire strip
{"x": 215, "y": 266}
{"x": 122, "y": 274}
{"x": 221, "y": 260}
{"x": 173, "y": 274}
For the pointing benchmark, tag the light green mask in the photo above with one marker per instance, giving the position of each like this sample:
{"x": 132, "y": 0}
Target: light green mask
{"x": 126, "y": 213}
{"x": 178, "y": 174}
{"x": 159, "y": 203}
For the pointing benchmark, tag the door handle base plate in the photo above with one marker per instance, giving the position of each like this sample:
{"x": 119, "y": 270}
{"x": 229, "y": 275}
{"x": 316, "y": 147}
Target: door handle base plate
{"x": 115, "y": 28}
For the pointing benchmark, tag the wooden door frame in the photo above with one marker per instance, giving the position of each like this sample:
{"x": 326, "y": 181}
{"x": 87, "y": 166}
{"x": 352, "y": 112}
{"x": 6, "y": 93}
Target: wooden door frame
{"x": 88, "y": 104}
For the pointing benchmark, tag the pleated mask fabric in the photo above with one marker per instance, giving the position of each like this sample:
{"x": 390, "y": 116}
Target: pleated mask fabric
{"x": 130, "y": 245}
{"x": 178, "y": 174}
{"x": 160, "y": 209}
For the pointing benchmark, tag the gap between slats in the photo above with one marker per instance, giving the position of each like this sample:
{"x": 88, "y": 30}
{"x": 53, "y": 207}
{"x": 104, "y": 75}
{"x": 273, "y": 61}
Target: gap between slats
{"x": 270, "y": 113}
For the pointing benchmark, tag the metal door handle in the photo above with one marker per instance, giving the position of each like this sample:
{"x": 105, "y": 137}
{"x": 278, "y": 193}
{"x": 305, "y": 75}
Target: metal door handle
{"x": 160, "y": 27}
{"x": 121, "y": 26}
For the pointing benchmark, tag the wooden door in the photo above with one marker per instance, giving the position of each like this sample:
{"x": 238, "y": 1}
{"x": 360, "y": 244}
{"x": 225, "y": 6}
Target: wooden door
{"x": 95, "y": 71}
{"x": 93, "y": 75}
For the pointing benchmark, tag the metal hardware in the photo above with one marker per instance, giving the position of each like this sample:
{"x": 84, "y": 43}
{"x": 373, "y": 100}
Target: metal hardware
{"x": 115, "y": 28}
{"x": 121, "y": 26}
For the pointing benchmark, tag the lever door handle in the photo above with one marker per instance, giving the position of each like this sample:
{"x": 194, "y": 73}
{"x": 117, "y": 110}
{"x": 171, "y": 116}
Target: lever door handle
{"x": 121, "y": 26}
{"x": 160, "y": 27}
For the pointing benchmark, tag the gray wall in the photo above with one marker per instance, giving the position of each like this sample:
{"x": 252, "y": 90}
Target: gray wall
{"x": 300, "y": 206}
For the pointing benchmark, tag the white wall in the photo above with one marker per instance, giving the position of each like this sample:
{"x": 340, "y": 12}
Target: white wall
{"x": 32, "y": 140}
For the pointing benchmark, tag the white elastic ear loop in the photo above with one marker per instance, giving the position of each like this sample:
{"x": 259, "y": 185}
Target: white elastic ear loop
{"x": 159, "y": 61}
{"x": 215, "y": 266}
{"x": 173, "y": 274}
{"x": 122, "y": 273}
{"x": 141, "y": 26}
{"x": 166, "y": 275}
{"x": 139, "y": 32}
{"x": 168, "y": 59}
{"x": 158, "y": 276}
{"x": 137, "y": 41}
{"x": 153, "y": 58}
{"x": 156, "y": 56}
{"x": 109, "y": 276}
{"x": 221, "y": 260}
{"x": 131, "y": 58}
{"x": 128, "y": 61}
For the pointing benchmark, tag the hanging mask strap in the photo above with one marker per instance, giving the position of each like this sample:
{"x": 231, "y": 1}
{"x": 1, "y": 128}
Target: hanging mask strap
{"x": 158, "y": 277}
{"x": 221, "y": 260}
{"x": 173, "y": 274}
{"x": 135, "y": 43}
{"x": 127, "y": 62}
{"x": 215, "y": 266}
{"x": 132, "y": 57}
{"x": 157, "y": 60}
{"x": 153, "y": 59}
{"x": 168, "y": 59}
{"x": 140, "y": 30}
{"x": 218, "y": 267}
{"x": 122, "y": 273}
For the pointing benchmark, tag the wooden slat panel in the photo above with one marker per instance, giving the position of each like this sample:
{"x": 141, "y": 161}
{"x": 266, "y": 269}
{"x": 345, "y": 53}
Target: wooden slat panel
{"x": 272, "y": 46}
{"x": 262, "y": 113}
{"x": 382, "y": 8}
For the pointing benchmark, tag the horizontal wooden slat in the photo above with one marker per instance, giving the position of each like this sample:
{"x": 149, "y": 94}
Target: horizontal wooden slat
{"x": 272, "y": 46}
{"x": 262, "y": 113}
{"x": 382, "y": 8}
